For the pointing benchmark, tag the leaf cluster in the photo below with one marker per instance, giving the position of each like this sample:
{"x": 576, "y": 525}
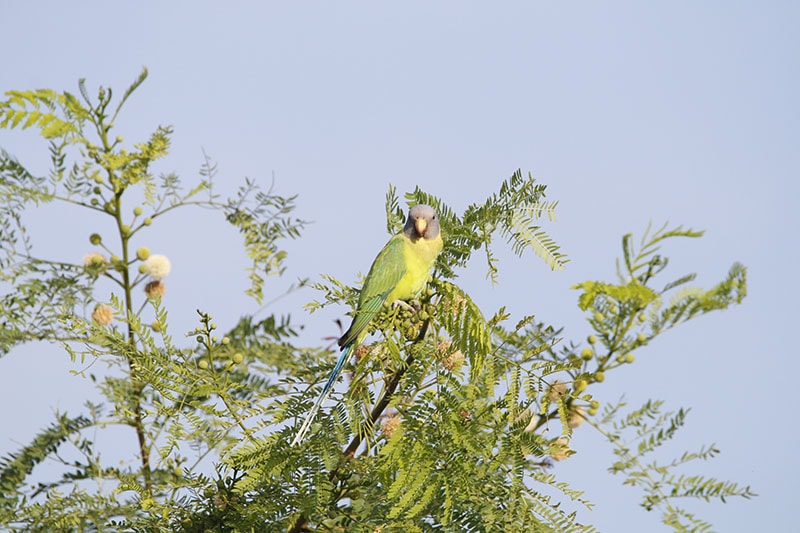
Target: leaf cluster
{"x": 636, "y": 437}
{"x": 451, "y": 418}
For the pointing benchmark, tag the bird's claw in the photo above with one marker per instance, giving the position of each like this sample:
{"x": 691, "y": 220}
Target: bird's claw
{"x": 414, "y": 306}
{"x": 401, "y": 303}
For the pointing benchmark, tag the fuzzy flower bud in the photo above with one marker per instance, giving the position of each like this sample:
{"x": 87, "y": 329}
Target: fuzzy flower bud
{"x": 560, "y": 449}
{"x": 103, "y": 315}
{"x": 142, "y": 253}
{"x": 157, "y": 266}
{"x": 556, "y": 390}
{"x": 155, "y": 289}
{"x": 451, "y": 359}
{"x": 94, "y": 263}
{"x": 390, "y": 425}
{"x": 454, "y": 361}
{"x": 94, "y": 260}
{"x": 361, "y": 351}
{"x": 443, "y": 349}
{"x": 577, "y": 416}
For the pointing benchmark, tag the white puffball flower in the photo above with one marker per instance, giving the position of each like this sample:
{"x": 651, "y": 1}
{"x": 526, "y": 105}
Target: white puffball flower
{"x": 157, "y": 266}
{"x": 94, "y": 259}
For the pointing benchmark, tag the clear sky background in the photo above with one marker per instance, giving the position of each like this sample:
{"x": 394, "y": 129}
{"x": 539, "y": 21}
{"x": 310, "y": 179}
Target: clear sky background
{"x": 630, "y": 112}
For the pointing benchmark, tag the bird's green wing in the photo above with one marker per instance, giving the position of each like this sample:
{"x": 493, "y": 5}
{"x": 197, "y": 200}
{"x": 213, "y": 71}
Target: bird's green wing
{"x": 386, "y": 272}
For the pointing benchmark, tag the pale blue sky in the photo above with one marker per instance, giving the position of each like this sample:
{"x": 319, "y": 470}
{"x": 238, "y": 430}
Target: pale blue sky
{"x": 628, "y": 111}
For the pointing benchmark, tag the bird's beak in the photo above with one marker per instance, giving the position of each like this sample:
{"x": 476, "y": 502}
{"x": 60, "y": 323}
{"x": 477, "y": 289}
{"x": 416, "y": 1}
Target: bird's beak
{"x": 421, "y": 225}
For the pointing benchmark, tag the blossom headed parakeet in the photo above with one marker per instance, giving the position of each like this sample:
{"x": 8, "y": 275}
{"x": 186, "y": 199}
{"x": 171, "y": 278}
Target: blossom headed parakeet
{"x": 400, "y": 272}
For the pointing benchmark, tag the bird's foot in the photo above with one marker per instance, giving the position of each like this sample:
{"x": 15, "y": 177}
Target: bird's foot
{"x": 414, "y": 306}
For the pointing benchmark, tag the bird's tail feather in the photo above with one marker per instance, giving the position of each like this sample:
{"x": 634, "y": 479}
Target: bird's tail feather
{"x": 326, "y": 391}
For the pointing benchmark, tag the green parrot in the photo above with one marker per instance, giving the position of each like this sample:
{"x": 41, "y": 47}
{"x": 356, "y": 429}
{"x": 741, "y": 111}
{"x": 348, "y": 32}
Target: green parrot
{"x": 399, "y": 273}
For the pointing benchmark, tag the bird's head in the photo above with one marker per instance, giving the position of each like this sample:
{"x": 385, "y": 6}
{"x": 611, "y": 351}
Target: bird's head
{"x": 422, "y": 223}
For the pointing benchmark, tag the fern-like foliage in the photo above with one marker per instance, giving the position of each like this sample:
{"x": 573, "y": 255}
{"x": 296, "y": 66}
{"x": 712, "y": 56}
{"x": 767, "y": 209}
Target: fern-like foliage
{"x": 451, "y": 418}
{"x": 626, "y": 316}
{"x": 17, "y": 466}
{"x": 509, "y": 212}
{"x": 636, "y": 437}
{"x": 173, "y": 400}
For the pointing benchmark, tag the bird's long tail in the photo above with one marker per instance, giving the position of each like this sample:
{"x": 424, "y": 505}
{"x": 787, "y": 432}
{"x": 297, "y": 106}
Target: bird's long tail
{"x": 326, "y": 391}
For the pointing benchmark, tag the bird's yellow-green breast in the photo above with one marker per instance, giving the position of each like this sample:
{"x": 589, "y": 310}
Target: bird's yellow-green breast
{"x": 418, "y": 257}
